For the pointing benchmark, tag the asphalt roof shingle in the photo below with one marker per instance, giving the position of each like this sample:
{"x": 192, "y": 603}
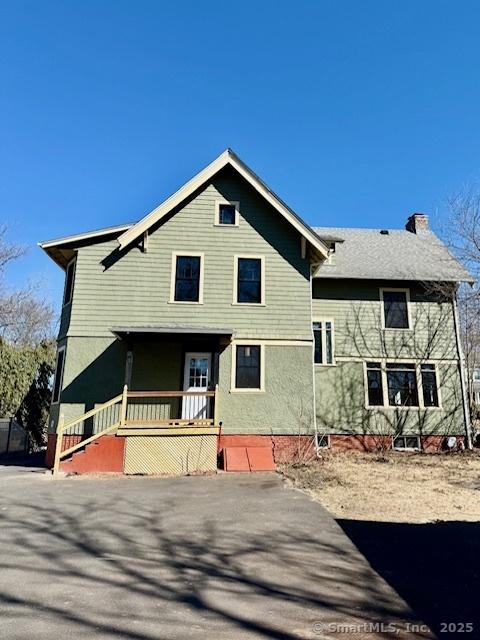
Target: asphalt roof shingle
{"x": 398, "y": 255}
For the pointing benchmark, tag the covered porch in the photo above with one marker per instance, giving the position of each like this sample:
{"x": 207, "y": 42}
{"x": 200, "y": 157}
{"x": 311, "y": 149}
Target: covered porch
{"x": 171, "y": 373}
{"x": 170, "y": 389}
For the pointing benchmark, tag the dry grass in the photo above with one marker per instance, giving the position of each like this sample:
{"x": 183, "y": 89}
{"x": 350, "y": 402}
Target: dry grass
{"x": 393, "y": 487}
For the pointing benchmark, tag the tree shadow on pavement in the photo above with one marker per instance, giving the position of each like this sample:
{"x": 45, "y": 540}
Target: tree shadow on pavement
{"x": 434, "y": 567}
{"x": 153, "y": 559}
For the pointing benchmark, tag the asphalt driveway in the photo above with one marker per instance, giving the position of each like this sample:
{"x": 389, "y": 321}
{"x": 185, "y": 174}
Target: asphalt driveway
{"x": 227, "y": 556}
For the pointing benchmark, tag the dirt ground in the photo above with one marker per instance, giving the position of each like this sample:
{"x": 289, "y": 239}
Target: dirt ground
{"x": 393, "y": 487}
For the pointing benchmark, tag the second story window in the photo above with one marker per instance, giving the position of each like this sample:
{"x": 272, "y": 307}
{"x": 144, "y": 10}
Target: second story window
{"x": 58, "y": 381}
{"x": 249, "y": 280}
{"x": 187, "y": 285}
{"x": 69, "y": 278}
{"x": 323, "y": 341}
{"x": 395, "y": 308}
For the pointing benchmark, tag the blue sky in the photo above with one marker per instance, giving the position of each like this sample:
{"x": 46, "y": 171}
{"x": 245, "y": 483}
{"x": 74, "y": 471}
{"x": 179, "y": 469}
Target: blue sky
{"x": 356, "y": 113}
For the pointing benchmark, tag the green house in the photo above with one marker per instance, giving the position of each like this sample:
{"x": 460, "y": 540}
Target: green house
{"x": 221, "y": 322}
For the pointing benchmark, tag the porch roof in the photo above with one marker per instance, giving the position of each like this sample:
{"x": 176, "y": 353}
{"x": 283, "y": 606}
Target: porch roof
{"x": 120, "y": 332}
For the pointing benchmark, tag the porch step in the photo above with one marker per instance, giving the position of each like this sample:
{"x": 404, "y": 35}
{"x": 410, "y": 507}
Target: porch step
{"x": 102, "y": 455}
{"x": 248, "y": 459}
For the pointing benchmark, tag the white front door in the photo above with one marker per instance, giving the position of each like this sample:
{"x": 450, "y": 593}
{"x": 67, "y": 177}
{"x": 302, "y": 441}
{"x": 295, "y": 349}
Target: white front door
{"x": 196, "y": 378}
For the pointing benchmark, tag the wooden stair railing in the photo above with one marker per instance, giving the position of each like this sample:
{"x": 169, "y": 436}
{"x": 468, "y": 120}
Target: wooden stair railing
{"x": 62, "y": 428}
{"x": 120, "y": 420}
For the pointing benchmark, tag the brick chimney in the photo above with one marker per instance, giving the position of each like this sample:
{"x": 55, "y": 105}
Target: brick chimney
{"x": 417, "y": 222}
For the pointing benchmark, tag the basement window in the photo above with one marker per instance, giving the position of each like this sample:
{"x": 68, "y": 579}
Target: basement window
{"x": 322, "y": 441}
{"x": 406, "y": 443}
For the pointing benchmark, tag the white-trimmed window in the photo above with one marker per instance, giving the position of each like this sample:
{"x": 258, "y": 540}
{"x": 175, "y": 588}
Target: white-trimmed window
{"x": 58, "y": 380}
{"x": 187, "y": 277}
{"x": 69, "y": 281}
{"x": 395, "y": 308}
{"x": 374, "y": 380}
{"x": 249, "y": 280}
{"x": 227, "y": 213}
{"x": 248, "y": 367}
{"x": 323, "y": 341}
{"x": 406, "y": 443}
{"x": 430, "y": 385}
{"x": 401, "y": 385}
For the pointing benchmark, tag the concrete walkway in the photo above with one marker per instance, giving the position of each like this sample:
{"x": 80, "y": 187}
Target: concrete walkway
{"x": 227, "y": 556}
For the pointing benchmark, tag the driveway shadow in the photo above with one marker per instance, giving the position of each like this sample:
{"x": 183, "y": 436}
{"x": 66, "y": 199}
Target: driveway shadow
{"x": 204, "y": 557}
{"x": 434, "y": 567}
{"x": 27, "y": 460}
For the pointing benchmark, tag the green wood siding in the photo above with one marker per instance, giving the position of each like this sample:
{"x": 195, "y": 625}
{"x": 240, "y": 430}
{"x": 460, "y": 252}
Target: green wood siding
{"x": 340, "y": 401}
{"x": 131, "y": 288}
{"x": 355, "y": 309}
{"x": 135, "y": 289}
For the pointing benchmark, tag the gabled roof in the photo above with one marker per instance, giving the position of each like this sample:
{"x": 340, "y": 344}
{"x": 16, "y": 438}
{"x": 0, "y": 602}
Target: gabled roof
{"x": 395, "y": 255}
{"x": 228, "y": 157}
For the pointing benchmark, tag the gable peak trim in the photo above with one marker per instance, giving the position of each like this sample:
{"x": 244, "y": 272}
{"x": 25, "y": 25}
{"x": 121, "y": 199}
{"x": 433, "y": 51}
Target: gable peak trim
{"x": 228, "y": 157}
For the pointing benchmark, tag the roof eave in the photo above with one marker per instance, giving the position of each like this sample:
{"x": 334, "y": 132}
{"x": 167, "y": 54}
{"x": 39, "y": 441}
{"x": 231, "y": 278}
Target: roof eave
{"x": 56, "y": 248}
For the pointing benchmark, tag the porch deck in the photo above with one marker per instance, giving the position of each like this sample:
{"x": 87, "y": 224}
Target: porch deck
{"x": 141, "y": 413}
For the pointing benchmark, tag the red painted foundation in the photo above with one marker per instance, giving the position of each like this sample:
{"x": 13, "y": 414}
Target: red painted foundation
{"x": 295, "y": 448}
{"x": 285, "y": 448}
{"x": 68, "y": 441}
{"x": 370, "y": 443}
{"x": 105, "y": 455}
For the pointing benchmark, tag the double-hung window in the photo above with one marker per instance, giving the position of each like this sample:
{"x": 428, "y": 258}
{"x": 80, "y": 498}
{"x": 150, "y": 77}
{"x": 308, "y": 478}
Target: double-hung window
{"x": 187, "y": 278}
{"x": 249, "y": 284}
{"x": 402, "y": 385}
{"x": 248, "y": 367}
{"x": 323, "y": 342}
{"x": 395, "y": 308}
{"x": 374, "y": 384}
{"x": 429, "y": 385}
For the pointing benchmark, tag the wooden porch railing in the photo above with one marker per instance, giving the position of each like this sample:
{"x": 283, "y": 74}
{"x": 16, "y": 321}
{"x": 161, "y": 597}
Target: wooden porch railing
{"x": 134, "y": 410}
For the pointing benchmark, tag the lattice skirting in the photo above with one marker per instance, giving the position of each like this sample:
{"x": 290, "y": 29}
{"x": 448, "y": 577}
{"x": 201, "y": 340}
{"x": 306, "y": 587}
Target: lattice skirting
{"x": 170, "y": 454}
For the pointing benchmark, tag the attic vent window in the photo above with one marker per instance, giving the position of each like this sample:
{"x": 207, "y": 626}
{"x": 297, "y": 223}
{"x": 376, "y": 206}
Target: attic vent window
{"x": 226, "y": 213}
